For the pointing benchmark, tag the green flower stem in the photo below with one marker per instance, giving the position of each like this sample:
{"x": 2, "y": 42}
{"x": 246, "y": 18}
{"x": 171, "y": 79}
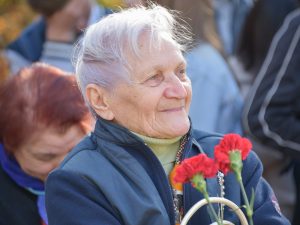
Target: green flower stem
{"x": 236, "y": 165}
{"x": 218, "y": 220}
{"x": 249, "y": 210}
{"x": 200, "y": 184}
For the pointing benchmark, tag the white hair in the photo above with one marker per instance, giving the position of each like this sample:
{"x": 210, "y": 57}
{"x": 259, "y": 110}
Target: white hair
{"x": 101, "y": 57}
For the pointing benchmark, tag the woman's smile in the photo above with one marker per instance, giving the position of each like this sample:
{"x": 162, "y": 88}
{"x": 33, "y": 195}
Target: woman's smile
{"x": 174, "y": 109}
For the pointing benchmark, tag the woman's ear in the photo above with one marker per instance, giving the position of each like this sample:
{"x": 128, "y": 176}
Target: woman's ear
{"x": 97, "y": 98}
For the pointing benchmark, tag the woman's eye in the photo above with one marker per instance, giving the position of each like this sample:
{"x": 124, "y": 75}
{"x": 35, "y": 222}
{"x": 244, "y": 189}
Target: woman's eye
{"x": 182, "y": 74}
{"x": 154, "y": 80}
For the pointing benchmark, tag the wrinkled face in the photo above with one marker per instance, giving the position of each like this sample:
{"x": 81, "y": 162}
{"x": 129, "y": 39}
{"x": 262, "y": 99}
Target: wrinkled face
{"x": 156, "y": 103}
{"x": 46, "y": 149}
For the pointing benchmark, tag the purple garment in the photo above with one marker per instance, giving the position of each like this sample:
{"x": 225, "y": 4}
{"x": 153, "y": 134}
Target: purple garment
{"x": 32, "y": 184}
{"x": 13, "y": 169}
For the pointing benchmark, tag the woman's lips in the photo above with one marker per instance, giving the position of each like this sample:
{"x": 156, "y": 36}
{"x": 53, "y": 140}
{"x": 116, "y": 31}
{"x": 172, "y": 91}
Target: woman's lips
{"x": 175, "y": 109}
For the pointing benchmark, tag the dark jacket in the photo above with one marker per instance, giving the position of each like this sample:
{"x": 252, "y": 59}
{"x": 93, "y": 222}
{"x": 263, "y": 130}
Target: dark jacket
{"x": 17, "y": 205}
{"x": 272, "y": 110}
{"x": 113, "y": 178}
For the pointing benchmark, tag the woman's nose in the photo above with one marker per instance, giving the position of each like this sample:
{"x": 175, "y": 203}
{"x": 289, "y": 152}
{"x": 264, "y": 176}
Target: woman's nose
{"x": 175, "y": 88}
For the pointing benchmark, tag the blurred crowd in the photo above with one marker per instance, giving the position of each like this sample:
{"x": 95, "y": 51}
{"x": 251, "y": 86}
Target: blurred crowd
{"x": 243, "y": 64}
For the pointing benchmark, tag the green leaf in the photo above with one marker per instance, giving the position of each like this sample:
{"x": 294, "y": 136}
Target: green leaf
{"x": 236, "y": 163}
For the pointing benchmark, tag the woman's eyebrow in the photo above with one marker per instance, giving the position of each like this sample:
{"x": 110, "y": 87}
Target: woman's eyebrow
{"x": 183, "y": 63}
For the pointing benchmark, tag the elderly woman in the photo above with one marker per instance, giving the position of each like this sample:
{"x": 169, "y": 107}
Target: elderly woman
{"x": 132, "y": 74}
{"x": 42, "y": 117}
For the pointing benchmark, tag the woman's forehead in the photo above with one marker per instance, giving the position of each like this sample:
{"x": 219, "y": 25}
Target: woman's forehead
{"x": 167, "y": 56}
{"x": 152, "y": 50}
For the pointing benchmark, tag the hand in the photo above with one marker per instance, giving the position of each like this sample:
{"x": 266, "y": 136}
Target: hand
{"x": 67, "y": 23}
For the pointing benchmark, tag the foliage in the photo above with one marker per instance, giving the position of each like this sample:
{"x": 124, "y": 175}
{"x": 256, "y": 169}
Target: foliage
{"x": 14, "y": 16}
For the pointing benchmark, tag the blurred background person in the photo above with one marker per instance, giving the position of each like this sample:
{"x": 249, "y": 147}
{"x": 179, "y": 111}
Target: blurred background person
{"x": 272, "y": 108}
{"x": 42, "y": 117}
{"x": 230, "y": 16}
{"x": 50, "y": 38}
{"x": 260, "y": 26}
{"x": 217, "y": 103}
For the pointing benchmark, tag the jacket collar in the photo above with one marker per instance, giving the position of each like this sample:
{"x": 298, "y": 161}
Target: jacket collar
{"x": 198, "y": 142}
{"x": 117, "y": 134}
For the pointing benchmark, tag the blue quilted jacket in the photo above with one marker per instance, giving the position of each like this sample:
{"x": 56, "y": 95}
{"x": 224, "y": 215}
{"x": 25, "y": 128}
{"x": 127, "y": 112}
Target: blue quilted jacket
{"x": 113, "y": 178}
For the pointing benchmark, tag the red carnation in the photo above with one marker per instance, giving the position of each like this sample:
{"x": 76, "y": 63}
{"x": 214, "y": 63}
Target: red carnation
{"x": 231, "y": 143}
{"x": 229, "y": 154}
{"x": 199, "y": 164}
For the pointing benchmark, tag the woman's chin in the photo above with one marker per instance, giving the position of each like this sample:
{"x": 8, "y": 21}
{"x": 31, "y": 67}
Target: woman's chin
{"x": 179, "y": 128}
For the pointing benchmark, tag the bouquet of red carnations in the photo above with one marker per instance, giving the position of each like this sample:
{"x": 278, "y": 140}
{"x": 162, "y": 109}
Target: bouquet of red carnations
{"x": 228, "y": 156}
